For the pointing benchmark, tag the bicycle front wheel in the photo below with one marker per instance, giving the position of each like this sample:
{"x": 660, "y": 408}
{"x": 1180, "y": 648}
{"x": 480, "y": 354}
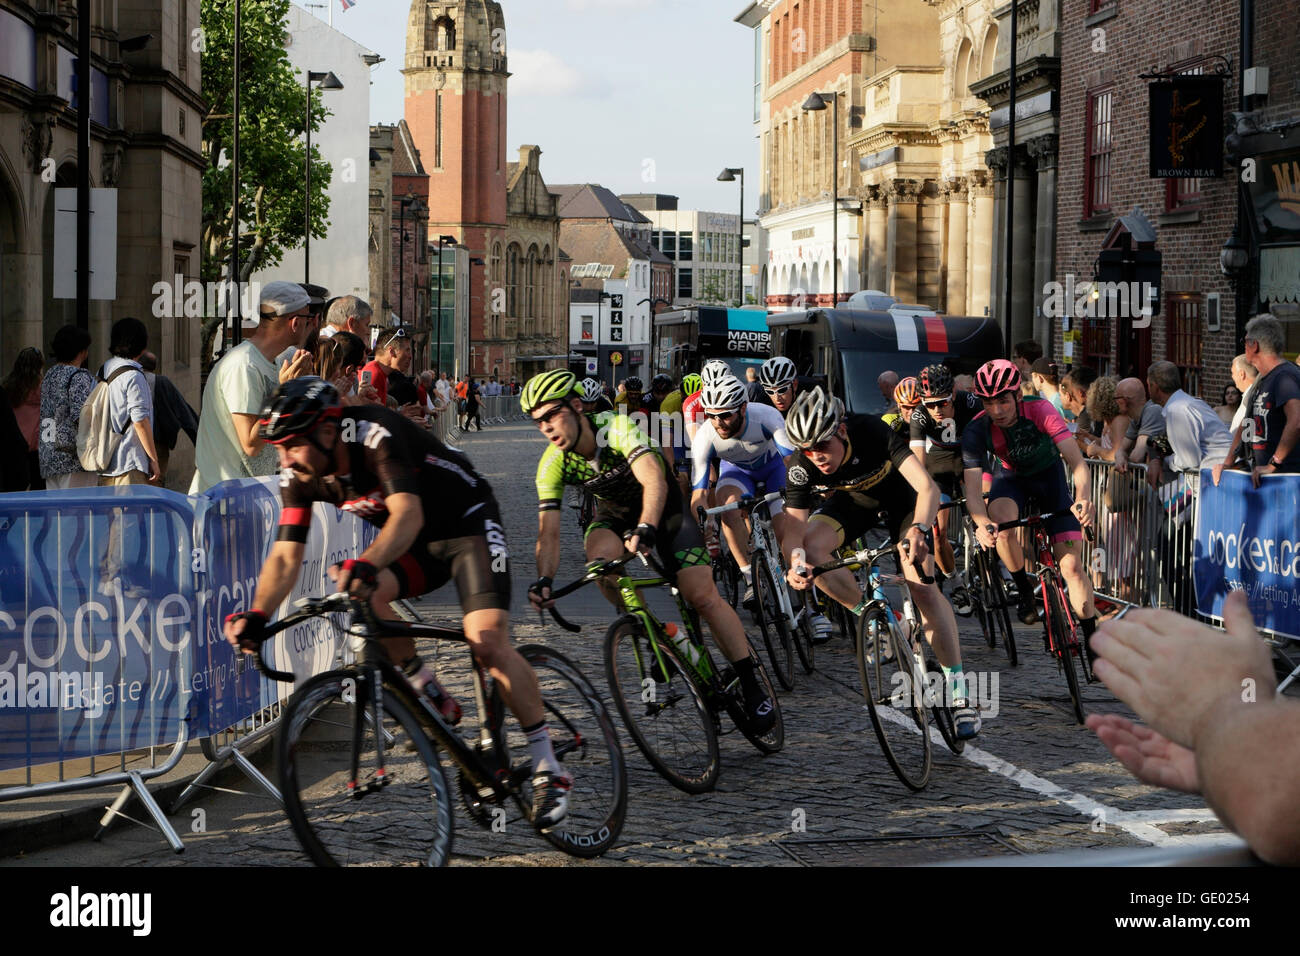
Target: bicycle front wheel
{"x": 725, "y": 577}
{"x": 998, "y": 607}
{"x": 661, "y": 707}
{"x": 895, "y": 690}
{"x": 803, "y": 631}
{"x": 586, "y": 742}
{"x": 772, "y": 621}
{"x": 346, "y": 806}
{"x": 1063, "y": 641}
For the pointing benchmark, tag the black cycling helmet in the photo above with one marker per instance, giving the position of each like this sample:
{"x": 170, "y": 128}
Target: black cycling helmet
{"x": 934, "y": 381}
{"x": 297, "y": 407}
{"x": 661, "y": 382}
{"x": 633, "y": 384}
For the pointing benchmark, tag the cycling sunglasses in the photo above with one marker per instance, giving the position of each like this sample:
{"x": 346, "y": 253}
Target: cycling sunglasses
{"x": 719, "y": 416}
{"x": 781, "y": 390}
{"x": 937, "y": 402}
{"x": 821, "y": 447}
{"x": 541, "y": 420}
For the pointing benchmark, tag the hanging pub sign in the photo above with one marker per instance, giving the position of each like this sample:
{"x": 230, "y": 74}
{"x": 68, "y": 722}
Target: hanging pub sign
{"x": 1187, "y": 127}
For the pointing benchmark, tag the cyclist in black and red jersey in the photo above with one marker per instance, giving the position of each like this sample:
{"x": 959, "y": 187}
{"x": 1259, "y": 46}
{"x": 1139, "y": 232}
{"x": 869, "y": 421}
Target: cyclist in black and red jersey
{"x": 1030, "y": 440}
{"x": 439, "y": 521}
{"x": 936, "y": 427}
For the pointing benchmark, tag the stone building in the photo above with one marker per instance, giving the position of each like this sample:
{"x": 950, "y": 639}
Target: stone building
{"x": 146, "y": 130}
{"x": 533, "y": 332}
{"x": 1114, "y": 219}
{"x": 410, "y": 239}
{"x": 379, "y": 239}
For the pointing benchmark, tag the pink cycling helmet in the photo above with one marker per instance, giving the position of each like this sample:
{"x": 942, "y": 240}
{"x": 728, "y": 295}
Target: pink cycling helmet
{"x": 995, "y": 377}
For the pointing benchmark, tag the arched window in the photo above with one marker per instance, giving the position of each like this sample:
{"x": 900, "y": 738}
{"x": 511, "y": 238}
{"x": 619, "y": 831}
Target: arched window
{"x": 989, "y": 51}
{"x": 444, "y": 35}
{"x": 512, "y": 280}
{"x": 961, "y": 71}
{"x": 545, "y": 296}
{"x": 496, "y": 263}
{"x": 530, "y": 291}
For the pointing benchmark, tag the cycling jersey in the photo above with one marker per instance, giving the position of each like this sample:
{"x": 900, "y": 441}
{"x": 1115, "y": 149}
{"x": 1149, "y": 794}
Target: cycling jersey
{"x": 946, "y": 434}
{"x": 388, "y": 454}
{"x": 759, "y": 441}
{"x": 601, "y": 404}
{"x": 868, "y": 481}
{"x": 1027, "y": 447}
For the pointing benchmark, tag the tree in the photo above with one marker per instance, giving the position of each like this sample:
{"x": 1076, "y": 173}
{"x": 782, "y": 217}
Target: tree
{"x": 271, "y": 140}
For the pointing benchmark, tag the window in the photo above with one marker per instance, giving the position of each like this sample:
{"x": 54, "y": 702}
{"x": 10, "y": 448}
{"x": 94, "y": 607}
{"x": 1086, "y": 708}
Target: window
{"x": 684, "y": 242}
{"x": 1096, "y": 345}
{"x": 437, "y": 136}
{"x": 512, "y": 280}
{"x": 1096, "y": 5}
{"x": 685, "y": 285}
{"x": 1180, "y": 193}
{"x": 586, "y": 328}
{"x": 181, "y": 340}
{"x": 1184, "y": 343}
{"x": 1098, "y": 150}
{"x": 758, "y": 73}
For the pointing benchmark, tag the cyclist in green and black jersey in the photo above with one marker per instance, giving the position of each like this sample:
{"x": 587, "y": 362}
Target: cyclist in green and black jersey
{"x": 638, "y": 506}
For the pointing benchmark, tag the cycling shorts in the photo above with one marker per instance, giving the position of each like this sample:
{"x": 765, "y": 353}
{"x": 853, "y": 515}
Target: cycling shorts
{"x": 678, "y": 540}
{"x": 476, "y": 558}
{"x": 853, "y": 518}
{"x": 1041, "y": 493}
{"x": 770, "y": 475}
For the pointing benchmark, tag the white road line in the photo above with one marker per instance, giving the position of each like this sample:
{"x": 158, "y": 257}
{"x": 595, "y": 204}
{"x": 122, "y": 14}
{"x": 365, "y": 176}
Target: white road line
{"x": 1138, "y": 823}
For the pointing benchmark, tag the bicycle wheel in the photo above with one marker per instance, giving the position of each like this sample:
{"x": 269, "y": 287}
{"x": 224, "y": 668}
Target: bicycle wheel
{"x": 895, "y": 692}
{"x": 999, "y": 609}
{"x": 774, "y": 739}
{"x": 1063, "y": 641}
{"x": 936, "y": 693}
{"x": 586, "y": 742}
{"x": 803, "y": 631}
{"x": 400, "y": 816}
{"x": 772, "y": 622}
{"x": 725, "y": 574}
{"x": 665, "y": 713}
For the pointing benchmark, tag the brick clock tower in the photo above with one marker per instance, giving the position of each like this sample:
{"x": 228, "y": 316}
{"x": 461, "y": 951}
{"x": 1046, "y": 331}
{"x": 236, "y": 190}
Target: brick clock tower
{"x": 456, "y": 110}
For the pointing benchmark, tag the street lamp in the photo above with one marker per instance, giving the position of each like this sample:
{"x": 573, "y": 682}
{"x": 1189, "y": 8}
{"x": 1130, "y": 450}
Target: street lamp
{"x": 401, "y": 259}
{"x": 442, "y": 241}
{"x": 326, "y": 81}
{"x": 815, "y": 103}
{"x": 729, "y": 175}
{"x": 1233, "y": 257}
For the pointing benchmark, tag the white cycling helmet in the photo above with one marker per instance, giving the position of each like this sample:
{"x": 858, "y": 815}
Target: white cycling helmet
{"x": 714, "y": 371}
{"x": 591, "y": 390}
{"x": 776, "y": 372}
{"x": 724, "y": 394}
{"x": 813, "y": 418}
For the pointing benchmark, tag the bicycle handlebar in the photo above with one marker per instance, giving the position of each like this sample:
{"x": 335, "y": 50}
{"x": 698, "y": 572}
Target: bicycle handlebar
{"x": 307, "y": 609}
{"x": 870, "y": 556}
{"x": 594, "y": 573}
{"x": 1029, "y": 521}
{"x": 747, "y": 502}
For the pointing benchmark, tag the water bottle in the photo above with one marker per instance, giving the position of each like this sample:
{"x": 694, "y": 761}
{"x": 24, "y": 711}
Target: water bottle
{"x": 687, "y": 651}
{"x": 799, "y": 560}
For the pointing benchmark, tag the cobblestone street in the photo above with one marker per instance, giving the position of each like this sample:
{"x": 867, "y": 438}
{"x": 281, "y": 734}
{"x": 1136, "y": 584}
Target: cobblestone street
{"x": 1034, "y": 780}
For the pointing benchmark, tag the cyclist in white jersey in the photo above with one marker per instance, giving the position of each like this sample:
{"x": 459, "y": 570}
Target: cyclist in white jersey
{"x": 750, "y": 444}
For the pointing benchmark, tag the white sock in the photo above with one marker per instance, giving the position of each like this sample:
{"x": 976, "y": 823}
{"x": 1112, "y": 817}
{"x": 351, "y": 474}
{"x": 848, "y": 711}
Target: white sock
{"x": 539, "y": 748}
{"x": 745, "y": 570}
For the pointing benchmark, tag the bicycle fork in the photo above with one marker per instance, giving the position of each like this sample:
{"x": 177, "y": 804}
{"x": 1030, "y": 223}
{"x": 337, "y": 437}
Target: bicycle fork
{"x": 370, "y": 708}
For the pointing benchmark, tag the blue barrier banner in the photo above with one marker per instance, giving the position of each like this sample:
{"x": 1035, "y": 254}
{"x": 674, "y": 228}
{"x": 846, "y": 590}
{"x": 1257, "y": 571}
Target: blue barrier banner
{"x": 112, "y": 602}
{"x": 1249, "y": 539}
{"x": 97, "y": 622}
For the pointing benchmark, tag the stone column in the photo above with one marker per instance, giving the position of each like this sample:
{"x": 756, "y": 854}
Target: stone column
{"x": 979, "y": 265}
{"x": 1022, "y": 293}
{"x": 877, "y": 237}
{"x": 1043, "y": 149}
{"x": 903, "y": 195}
{"x": 996, "y": 160}
{"x": 955, "y": 197}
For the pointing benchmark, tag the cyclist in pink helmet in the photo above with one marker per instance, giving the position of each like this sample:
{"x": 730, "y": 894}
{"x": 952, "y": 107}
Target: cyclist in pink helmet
{"x": 1029, "y": 440}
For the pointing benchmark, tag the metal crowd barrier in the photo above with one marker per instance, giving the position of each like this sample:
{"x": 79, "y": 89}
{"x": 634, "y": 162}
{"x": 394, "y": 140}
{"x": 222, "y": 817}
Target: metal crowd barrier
{"x": 96, "y": 665}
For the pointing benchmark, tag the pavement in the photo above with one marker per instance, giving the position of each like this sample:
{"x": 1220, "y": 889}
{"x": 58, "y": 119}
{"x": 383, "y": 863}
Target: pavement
{"x": 1033, "y": 782}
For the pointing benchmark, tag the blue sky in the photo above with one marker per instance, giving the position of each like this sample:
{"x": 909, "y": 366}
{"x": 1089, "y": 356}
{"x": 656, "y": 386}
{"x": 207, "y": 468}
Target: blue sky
{"x": 638, "y": 95}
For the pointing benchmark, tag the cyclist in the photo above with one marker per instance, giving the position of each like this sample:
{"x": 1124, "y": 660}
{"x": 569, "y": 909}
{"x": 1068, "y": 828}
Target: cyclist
{"x": 593, "y": 397}
{"x": 749, "y": 443}
{"x": 781, "y": 383}
{"x": 936, "y": 427}
{"x": 1029, "y": 440}
{"x": 672, "y": 422}
{"x": 660, "y": 388}
{"x": 637, "y": 507}
{"x": 853, "y": 467}
{"x": 907, "y": 398}
{"x": 693, "y": 406}
{"x": 630, "y": 397}
{"x": 439, "y": 521}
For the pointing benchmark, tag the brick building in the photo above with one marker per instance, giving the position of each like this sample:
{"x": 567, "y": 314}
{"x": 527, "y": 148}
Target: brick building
{"x": 1107, "y": 201}
{"x": 410, "y": 238}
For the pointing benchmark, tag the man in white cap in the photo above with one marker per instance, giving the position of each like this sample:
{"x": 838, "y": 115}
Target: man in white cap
{"x": 241, "y": 382}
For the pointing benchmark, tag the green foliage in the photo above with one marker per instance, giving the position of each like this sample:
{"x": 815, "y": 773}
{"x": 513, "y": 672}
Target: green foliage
{"x": 273, "y": 106}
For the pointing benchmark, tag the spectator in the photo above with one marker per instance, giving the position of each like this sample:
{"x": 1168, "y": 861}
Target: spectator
{"x": 1109, "y": 422}
{"x": 65, "y": 388}
{"x": 445, "y": 391}
{"x": 1046, "y": 379}
{"x": 1024, "y": 355}
{"x": 1244, "y": 376}
{"x": 1198, "y": 437}
{"x": 472, "y": 408}
{"x": 1074, "y": 396}
{"x": 131, "y": 412}
{"x": 172, "y": 413}
{"x": 514, "y": 387}
{"x": 1146, "y": 422}
{"x": 241, "y": 382}
{"x": 964, "y": 382}
{"x": 1272, "y": 426}
{"x": 1232, "y": 397}
{"x": 1115, "y": 492}
{"x": 1203, "y": 734}
{"x": 339, "y": 358}
{"x": 23, "y": 388}
{"x": 348, "y": 313}
{"x": 887, "y": 382}
{"x": 753, "y": 389}
{"x": 389, "y": 370}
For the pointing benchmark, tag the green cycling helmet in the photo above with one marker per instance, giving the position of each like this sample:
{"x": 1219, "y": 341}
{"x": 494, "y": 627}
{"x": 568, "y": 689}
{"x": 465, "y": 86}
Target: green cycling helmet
{"x": 556, "y": 385}
{"x": 691, "y": 384}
